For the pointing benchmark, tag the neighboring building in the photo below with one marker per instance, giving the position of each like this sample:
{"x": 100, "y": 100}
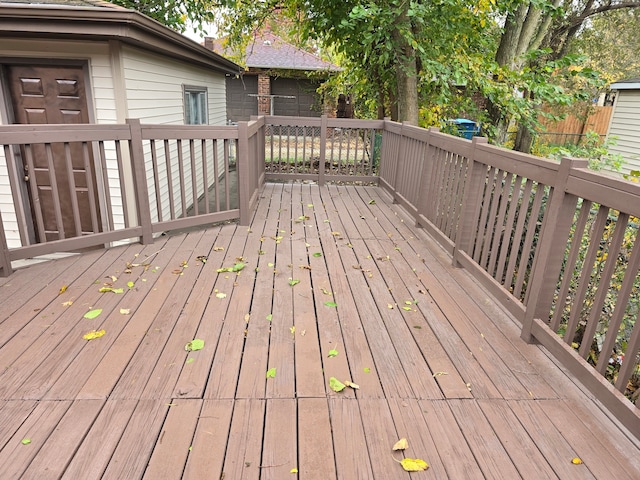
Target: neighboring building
{"x": 625, "y": 123}
{"x": 280, "y": 79}
{"x": 89, "y": 61}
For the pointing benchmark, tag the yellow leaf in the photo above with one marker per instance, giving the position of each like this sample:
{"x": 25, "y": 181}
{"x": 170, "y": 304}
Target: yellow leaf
{"x": 414, "y": 464}
{"x": 576, "y": 461}
{"x": 293, "y": 470}
{"x": 93, "y": 334}
{"x": 355, "y": 386}
{"x": 67, "y": 304}
{"x": 401, "y": 444}
{"x": 125, "y": 311}
{"x": 62, "y": 289}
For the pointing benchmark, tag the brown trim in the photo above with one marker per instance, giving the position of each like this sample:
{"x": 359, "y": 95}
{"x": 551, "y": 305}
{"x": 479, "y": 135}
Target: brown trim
{"x": 100, "y": 24}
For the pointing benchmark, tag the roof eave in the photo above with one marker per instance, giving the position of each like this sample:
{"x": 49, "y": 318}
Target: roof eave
{"x": 625, "y": 86}
{"x": 95, "y": 24}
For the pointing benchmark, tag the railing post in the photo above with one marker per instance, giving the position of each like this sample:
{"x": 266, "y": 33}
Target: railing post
{"x": 5, "y": 260}
{"x": 138, "y": 169}
{"x": 471, "y": 203}
{"x": 244, "y": 168}
{"x": 552, "y": 244}
{"x": 323, "y": 149}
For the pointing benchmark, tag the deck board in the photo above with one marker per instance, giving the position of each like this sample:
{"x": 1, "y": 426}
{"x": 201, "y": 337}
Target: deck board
{"x": 436, "y": 359}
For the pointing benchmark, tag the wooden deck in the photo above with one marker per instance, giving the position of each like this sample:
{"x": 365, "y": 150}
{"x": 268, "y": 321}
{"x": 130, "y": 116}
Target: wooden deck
{"x": 436, "y": 360}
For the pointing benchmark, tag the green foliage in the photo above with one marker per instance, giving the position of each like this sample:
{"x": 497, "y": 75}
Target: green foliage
{"x": 591, "y": 148}
{"x": 173, "y": 13}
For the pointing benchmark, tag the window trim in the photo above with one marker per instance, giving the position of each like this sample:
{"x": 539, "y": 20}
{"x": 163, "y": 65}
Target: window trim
{"x": 187, "y": 95}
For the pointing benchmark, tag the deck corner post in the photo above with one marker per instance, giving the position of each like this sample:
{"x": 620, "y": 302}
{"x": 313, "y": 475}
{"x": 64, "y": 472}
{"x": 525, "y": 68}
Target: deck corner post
{"x": 552, "y": 243}
{"x": 140, "y": 181}
{"x": 5, "y": 260}
{"x": 243, "y": 166}
{"x": 471, "y": 203}
{"x": 323, "y": 149}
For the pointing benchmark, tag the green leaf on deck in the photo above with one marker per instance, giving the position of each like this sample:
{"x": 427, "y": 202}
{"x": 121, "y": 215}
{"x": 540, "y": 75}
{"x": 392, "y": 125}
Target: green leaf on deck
{"x": 293, "y": 281}
{"x": 237, "y": 267}
{"x": 331, "y": 304}
{"x": 194, "y": 345}
{"x": 190, "y": 360}
{"x": 372, "y": 202}
{"x": 336, "y": 385}
{"x": 367, "y": 370}
{"x": 130, "y": 284}
{"x": 317, "y": 254}
{"x": 26, "y": 441}
{"x": 91, "y": 314}
{"x": 408, "y": 309}
{"x": 271, "y": 373}
{"x": 270, "y": 317}
{"x": 332, "y": 353}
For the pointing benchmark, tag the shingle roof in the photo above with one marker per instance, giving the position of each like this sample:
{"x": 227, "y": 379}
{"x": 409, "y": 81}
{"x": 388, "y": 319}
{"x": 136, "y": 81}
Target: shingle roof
{"x": 267, "y": 50}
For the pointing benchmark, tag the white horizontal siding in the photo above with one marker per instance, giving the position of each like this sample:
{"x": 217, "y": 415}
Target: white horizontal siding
{"x": 154, "y": 89}
{"x": 625, "y": 129}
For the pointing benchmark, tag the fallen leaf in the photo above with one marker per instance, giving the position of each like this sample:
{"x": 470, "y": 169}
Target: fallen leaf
{"x": 576, "y": 461}
{"x": 332, "y": 353}
{"x": 270, "y": 317}
{"x": 190, "y": 360}
{"x": 439, "y": 374}
{"x": 292, "y": 330}
{"x": 130, "y": 284}
{"x": 367, "y": 370}
{"x": 336, "y": 234}
{"x": 26, "y": 441}
{"x": 269, "y": 264}
{"x": 293, "y": 470}
{"x": 91, "y": 314}
{"x": 62, "y": 289}
{"x": 372, "y": 202}
{"x": 271, "y": 373}
{"x": 336, "y": 385}
{"x": 67, "y": 304}
{"x": 390, "y": 306}
{"x": 202, "y": 258}
{"x": 355, "y": 386}
{"x": 310, "y": 205}
{"x": 194, "y": 345}
{"x": 125, "y": 311}
{"x": 293, "y": 282}
{"x": 317, "y": 254}
{"x": 93, "y": 334}
{"x": 414, "y": 464}
{"x": 401, "y": 444}
{"x": 218, "y": 249}
{"x": 327, "y": 292}
{"x": 221, "y": 295}
{"x": 331, "y": 304}
{"x": 408, "y": 309}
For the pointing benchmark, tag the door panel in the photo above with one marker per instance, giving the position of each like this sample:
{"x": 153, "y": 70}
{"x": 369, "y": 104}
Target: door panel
{"x": 55, "y": 94}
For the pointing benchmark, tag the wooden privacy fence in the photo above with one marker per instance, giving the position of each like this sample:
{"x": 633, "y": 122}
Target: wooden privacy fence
{"x": 557, "y": 244}
{"x": 147, "y": 179}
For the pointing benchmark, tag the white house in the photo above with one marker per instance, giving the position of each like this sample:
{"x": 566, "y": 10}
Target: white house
{"x": 89, "y": 61}
{"x": 625, "y": 123}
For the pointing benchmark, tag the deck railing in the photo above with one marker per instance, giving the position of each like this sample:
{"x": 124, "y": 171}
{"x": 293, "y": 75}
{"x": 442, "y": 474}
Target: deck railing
{"x": 555, "y": 243}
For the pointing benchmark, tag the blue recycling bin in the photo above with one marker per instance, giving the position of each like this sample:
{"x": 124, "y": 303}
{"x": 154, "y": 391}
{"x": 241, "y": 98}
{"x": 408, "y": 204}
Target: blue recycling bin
{"x": 466, "y": 128}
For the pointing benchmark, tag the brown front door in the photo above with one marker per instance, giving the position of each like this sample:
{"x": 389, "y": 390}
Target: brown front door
{"x": 55, "y": 94}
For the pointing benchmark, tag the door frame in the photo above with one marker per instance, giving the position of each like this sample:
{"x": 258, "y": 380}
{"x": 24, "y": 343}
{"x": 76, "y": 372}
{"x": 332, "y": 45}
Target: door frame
{"x": 19, "y": 188}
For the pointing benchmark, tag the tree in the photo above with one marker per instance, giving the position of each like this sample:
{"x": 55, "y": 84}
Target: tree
{"x": 552, "y": 25}
{"x": 173, "y": 13}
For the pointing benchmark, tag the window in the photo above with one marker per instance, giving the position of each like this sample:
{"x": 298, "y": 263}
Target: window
{"x": 195, "y": 105}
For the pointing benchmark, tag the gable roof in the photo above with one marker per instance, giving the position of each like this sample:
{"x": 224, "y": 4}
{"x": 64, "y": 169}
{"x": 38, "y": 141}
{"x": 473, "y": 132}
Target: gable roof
{"x": 98, "y": 20}
{"x": 269, "y": 51}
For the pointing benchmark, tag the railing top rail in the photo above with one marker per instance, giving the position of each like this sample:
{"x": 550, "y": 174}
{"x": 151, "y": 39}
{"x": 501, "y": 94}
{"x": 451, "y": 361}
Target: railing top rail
{"x": 188, "y": 132}
{"x": 42, "y": 133}
{"x": 604, "y": 189}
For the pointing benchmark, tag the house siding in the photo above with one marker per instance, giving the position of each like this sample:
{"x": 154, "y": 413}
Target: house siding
{"x": 625, "y": 127}
{"x": 154, "y": 89}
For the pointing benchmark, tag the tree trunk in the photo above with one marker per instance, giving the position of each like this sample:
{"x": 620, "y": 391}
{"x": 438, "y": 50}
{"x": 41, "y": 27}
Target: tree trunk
{"x": 406, "y": 71}
{"x": 524, "y": 140}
